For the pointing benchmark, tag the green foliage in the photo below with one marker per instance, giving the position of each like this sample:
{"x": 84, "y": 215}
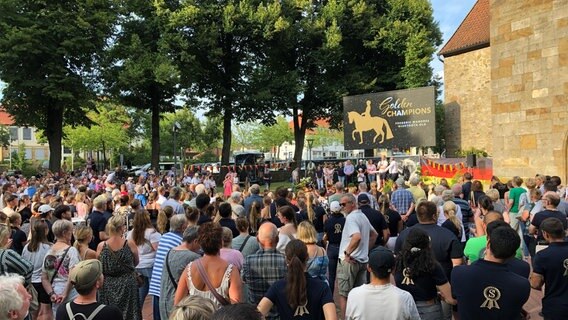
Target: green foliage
{"x": 4, "y": 136}
{"x": 472, "y": 150}
{"x": 49, "y": 56}
{"x": 207, "y": 156}
{"x": 270, "y": 137}
{"x": 189, "y": 137}
{"x": 19, "y": 157}
{"x": 108, "y": 129}
{"x": 324, "y": 137}
{"x": 138, "y": 70}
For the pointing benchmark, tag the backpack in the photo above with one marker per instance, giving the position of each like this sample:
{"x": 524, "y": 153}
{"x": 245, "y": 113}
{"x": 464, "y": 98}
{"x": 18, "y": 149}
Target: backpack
{"x": 81, "y": 315}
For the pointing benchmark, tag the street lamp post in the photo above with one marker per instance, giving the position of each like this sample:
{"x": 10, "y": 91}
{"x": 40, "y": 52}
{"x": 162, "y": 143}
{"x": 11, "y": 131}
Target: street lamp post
{"x": 176, "y": 128}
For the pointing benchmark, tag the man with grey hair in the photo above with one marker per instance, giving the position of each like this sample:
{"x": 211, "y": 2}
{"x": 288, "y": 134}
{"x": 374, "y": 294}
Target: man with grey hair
{"x": 339, "y": 192}
{"x": 364, "y": 190}
{"x": 173, "y": 201}
{"x": 175, "y": 262}
{"x": 97, "y": 220}
{"x": 235, "y": 201}
{"x": 417, "y": 192}
{"x": 402, "y": 200}
{"x": 254, "y": 197}
{"x": 199, "y": 189}
{"x": 356, "y": 239}
{"x": 178, "y": 224}
{"x": 15, "y": 299}
{"x": 263, "y": 268}
{"x": 464, "y": 208}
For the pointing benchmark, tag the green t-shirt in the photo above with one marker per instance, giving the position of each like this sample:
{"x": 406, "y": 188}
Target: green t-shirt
{"x": 475, "y": 249}
{"x": 515, "y": 195}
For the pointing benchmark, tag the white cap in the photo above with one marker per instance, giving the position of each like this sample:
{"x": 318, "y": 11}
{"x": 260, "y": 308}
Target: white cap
{"x": 45, "y": 208}
{"x": 334, "y": 206}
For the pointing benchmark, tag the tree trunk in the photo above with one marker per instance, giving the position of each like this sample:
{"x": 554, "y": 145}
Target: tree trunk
{"x": 156, "y": 138}
{"x": 227, "y": 118}
{"x": 54, "y": 134}
{"x": 104, "y": 156}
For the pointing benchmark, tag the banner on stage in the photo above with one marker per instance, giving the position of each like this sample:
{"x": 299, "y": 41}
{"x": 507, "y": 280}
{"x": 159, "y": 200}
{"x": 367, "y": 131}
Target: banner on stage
{"x": 391, "y": 119}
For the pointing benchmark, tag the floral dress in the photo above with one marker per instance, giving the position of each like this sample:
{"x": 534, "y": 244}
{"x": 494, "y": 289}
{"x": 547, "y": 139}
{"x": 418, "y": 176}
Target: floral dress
{"x": 120, "y": 288}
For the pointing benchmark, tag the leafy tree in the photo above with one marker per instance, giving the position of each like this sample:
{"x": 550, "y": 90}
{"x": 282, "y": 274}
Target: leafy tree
{"x": 4, "y": 136}
{"x": 19, "y": 157}
{"x": 326, "y": 136}
{"x": 49, "y": 55}
{"x": 271, "y": 137}
{"x": 243, "y": 136}
{"x": 189, "y": 137}
{"x": 139, "y": 72}
{"x": 107, "y": 132}
{"x": 212, "y": 131}
{"x": 327, "y": 50}
{"x": 215, "y": 51}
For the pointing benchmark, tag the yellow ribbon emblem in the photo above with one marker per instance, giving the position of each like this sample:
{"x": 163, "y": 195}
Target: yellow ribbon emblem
{"x": 491, "y": 295}
{"x": 407, "y": 280}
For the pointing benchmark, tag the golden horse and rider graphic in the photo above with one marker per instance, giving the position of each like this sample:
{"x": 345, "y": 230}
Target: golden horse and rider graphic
{"x": 365, "y": 122}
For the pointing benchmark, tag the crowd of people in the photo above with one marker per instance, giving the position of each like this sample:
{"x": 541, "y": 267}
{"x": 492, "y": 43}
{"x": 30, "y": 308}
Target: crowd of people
{"x": 95, "y": 247}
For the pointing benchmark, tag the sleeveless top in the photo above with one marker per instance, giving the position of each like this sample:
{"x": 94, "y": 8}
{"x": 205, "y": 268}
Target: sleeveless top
{"x": 223, "y": 289}
{"x": 317, "y": 265}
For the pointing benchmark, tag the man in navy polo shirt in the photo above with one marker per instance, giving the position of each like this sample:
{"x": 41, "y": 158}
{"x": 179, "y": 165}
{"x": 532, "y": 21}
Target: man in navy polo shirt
{"x": 487, "y": 289}
{"x": 550, "y": 268}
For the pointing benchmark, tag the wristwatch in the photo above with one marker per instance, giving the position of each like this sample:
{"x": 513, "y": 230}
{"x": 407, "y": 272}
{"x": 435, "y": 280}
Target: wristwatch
{"x": 51, "y": 293}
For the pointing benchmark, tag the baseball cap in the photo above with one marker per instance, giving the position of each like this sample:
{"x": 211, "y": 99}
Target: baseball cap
{"x": 334, "y": 206}
{"x": 85, "y": 274}
{"x": 363, "y": 198}
{"x": 45, "y": 208}
{"x": 381, "y": 260}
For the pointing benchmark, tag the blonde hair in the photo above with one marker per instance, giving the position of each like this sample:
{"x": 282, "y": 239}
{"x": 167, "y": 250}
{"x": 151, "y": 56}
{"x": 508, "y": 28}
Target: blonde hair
{"x": 60, "y": 226}
{"x": 194, "y": 308}
{"x": 254, "y": 215}
{"x": 4, "y": 233}
{"x": 80, "y": 197}
{"x": 114, "y": 225}
{"x": 310, "y": 207}
{"x": 164, "y": 216}
{"x": 493, "y": 194}
{"x": 306, "y": 232}
{"x": 450, "y": 213}
{"x": 530, "y": 183}
{"x": 82, "y": 234}
{"x": 227, "y": 237}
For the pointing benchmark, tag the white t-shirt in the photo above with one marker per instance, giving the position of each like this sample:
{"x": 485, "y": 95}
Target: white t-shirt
{"x": 356, "y": 222}
{"x": 380, "y": 302}
{"x": 147, "y": 254}
{"x": 36, "y": 258}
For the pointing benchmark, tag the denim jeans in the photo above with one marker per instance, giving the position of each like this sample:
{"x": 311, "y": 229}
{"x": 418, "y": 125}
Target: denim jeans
{"x": 143, "y": 290}
{"x": 428, "y": 311}
{"x": 156, "y": 308}
{"x": 333, "y": 255}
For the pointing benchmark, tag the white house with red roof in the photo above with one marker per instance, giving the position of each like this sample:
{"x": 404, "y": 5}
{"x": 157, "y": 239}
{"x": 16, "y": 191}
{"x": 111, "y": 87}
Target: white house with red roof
{"x": 22, "y": 135}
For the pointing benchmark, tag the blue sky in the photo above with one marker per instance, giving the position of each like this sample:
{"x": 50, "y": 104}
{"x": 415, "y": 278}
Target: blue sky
{"x": 449, "y": 14}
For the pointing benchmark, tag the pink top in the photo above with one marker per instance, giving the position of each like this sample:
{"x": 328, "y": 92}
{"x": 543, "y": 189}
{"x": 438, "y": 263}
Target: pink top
{"x": 232, "y": 256}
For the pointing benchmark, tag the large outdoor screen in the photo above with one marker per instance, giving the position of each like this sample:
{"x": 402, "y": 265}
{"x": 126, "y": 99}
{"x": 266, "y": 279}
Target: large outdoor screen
{"x": 391, "y": 119}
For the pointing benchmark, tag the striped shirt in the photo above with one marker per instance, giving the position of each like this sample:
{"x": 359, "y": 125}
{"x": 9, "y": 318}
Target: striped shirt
{"x": 11, "y": 262}
{"x": 168, "y": 241}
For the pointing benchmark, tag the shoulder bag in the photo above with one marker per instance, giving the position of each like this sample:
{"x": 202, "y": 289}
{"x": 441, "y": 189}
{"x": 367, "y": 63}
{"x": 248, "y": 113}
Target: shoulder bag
{"x": 205, "y": 279}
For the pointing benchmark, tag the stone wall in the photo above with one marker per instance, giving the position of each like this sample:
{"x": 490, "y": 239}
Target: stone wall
{"x": 529, "y": 85}
{"x": 467, "y": 92}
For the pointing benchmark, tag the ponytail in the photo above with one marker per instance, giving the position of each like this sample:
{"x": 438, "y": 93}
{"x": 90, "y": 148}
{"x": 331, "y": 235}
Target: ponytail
{"x": 296, "y": 283}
